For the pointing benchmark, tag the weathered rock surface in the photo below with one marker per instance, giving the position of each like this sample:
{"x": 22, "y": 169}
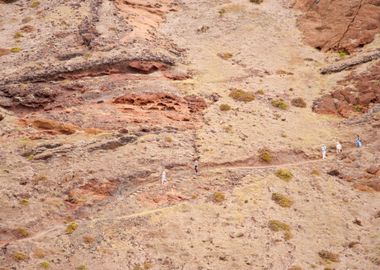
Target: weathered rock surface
{"x": 339, "y": 24}
{"x": 354, "y": 94}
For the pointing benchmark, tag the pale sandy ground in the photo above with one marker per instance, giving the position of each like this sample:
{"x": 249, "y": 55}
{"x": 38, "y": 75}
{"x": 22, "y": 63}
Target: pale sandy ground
{"x": 179, "y": 226}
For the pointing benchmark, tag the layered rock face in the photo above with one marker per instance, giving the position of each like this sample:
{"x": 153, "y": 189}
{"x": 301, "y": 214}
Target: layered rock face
{"x": 339, "y": 24}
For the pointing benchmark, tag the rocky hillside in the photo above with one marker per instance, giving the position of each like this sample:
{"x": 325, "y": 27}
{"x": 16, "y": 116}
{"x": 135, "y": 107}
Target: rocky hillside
{"x": 98, "y": 97}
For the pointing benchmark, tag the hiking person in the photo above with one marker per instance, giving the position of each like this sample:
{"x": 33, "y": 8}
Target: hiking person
{"x": 358, "y": 142}
{"x": 324, "y": 151}
{"x": 164, "y": 179}
{"x": 338, "y": 148}
{"x": 196, "y": 167}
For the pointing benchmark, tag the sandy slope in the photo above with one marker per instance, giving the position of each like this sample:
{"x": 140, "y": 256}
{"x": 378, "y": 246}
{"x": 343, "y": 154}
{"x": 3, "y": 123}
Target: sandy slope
{"x": 144, "y": 225}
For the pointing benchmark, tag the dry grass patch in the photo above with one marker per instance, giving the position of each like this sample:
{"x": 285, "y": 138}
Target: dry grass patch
{"x": 328, "y": 256}
{"x": 16, "y": 50}
{"x": 219, "y": 197}
{"x": 88, "y": 239}
{"x": 284, "y": 174}
{"x": 298, "y": 102}
{"x": 256, "y": 1}
{"x": 45, "y": 265}
{"x": 241, "y": 95}
{"x": 278, "y": 226}
{"x": 19, "y": 256}
{"x": 53, "y": 125}
{"x": 22, "y": 232}
{"x": 265, "y": 155}
{"x": 224, "y": 107}
{"x": 225, "y": 55}
{"x": 280, "y": 103}
{"x": 24, "y": 202}
{"x": 282, "y": 200}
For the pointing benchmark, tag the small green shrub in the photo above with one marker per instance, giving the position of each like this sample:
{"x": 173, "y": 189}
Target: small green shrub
{"x": 19, "y": 256}
{"x": 81, "y": 267}
{"x": 280, "y": 103}
{"x": 241, "y": 95}
{"x": 16, "y": 50}
{"x": 284, "y": 174}
{"x": 224, "y": 107}
{"x": 45, "y": 265}
{"x": 282, "y": 200}
{"x": 343, "y": 53}
{"x": 218, "y": 196}
{"x": 328, "y": 256}
{"x": 299, "y": 102}
{"x": 358, "y": 108}
{"x": 71, "y": 227}
{"x": 265, "y": 155}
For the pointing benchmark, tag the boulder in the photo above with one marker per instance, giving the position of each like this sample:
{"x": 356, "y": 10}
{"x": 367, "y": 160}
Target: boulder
{"x": 373, "y": 169}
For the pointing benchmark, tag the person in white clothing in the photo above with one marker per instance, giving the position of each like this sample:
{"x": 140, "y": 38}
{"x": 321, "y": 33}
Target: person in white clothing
{"x": 164, "y": 179}
{"x": 324, "y": 151}
{"x": 338, "y": 148}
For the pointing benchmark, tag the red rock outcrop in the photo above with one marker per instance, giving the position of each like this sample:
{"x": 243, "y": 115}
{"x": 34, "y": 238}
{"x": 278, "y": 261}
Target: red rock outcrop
{"x": 339, "y": 24}
{"x": 354, "y": 94}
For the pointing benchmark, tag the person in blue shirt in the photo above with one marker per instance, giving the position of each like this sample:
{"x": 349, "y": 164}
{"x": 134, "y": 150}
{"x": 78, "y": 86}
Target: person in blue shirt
{"x": 358, "y": 142}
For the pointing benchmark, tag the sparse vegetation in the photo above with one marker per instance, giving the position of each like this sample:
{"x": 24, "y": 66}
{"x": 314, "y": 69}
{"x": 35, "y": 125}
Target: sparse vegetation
{"x": 24, "y": 202}
{"x": 296, "y": 267}
{"x": 224, "y": 107}
{"x": 280, "y": 103}
{"x": 35, "y": 4}
{"x": 282, "y": 200}
{"x": 227, "y": 129}
{"x": 284, "y": 174}
{"x": 81, "y": 267}
{"x": 221, "y": 12}
{"x": 225, "y": 55}
{"x": 19, "y": 256}
{"x": 343, "y": 53}
{"x": 71, "y": 227}
{"x": 265, "y": 155}
{"x": 168, "y": 139}
{"x": 39, "y": 253}
{"x": 218, "y": 196}
{"x": 299, "y": 102}
{"x": 328, "y": 256}
{"x": 18, "y": 35}
{"x": 16, "y": 50}
{"x": 241, "y": 95}
{"x": 22, "y": 232}
{"x": 278, "y": 226}
{"x": 315, "y": 172}
{"x": 260, "y": 92}
{"x": 256, "y": 1}
{"x": 358, "y": 108}
{"x": 45, "y": 265}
